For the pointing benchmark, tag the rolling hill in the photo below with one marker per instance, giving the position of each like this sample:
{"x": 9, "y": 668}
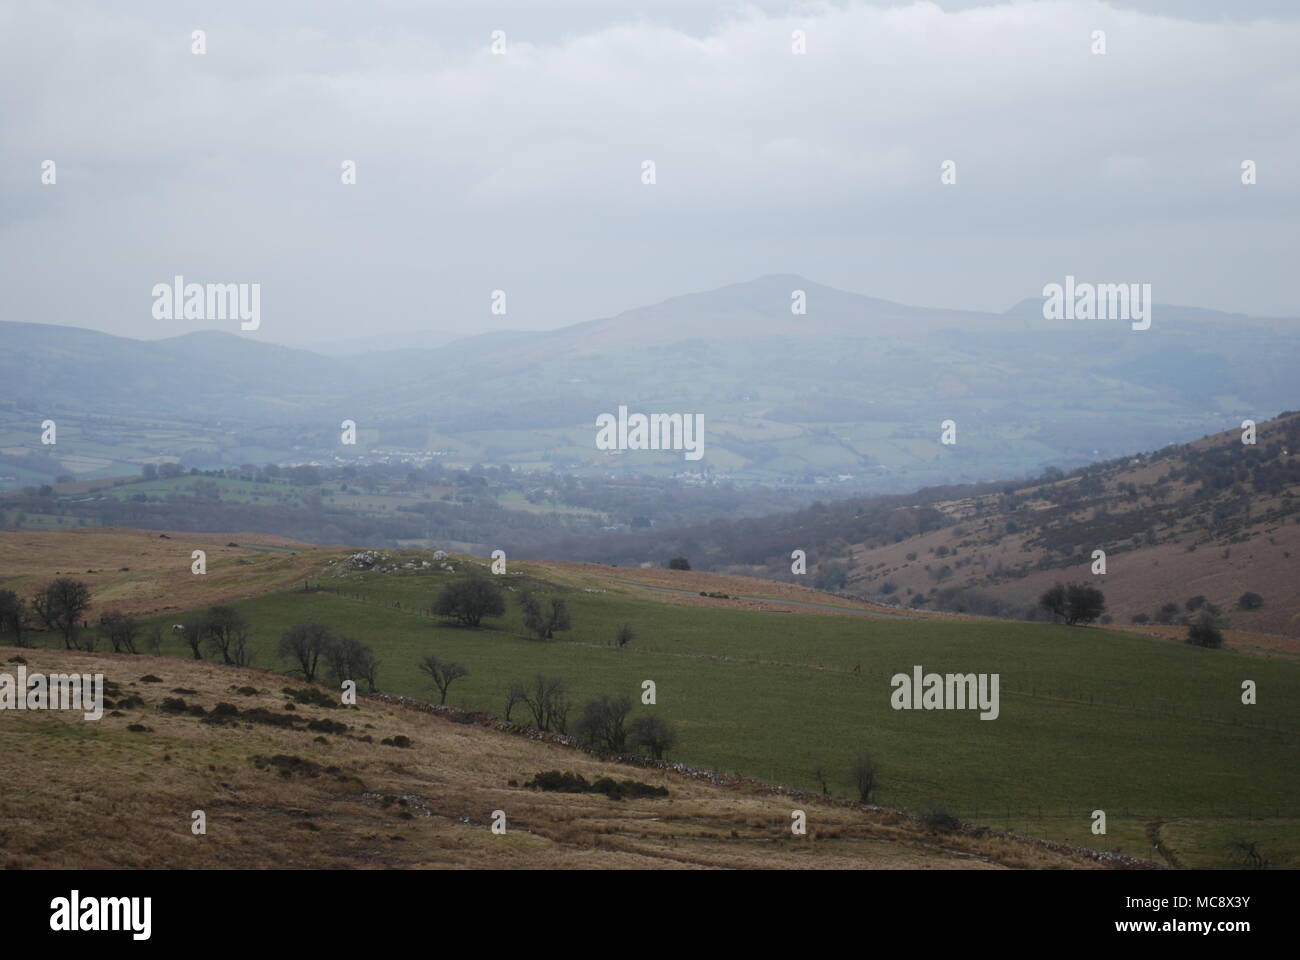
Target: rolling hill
{"x": 854, "y": 389}
{"x": 182, "y": 737}
{"x": 1214, "y": 519}
{"x": 775, "y": 683}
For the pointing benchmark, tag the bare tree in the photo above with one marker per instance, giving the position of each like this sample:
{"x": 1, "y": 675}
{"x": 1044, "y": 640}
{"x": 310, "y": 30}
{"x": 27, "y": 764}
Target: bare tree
{"x": 60, "y": 605}
{"x": 13, "y": 617}
{"x": 193, "y": 630}
{"x": 443, "y": 673}
{"x": 866, "y": 776}
{"x": 303, "y": 644}
{"x": 121, "y": 631}
{"x": 542, "y": 621}
{"x": 602, "y": 725}
{"x": 516, "y": 693}
{"x": 548, "y": 701}
{"x": 349, "y": 659}
{"x": 365, "y": 666}
{"x": 624, "y": 636}
{"x": 819, "y": 774}
{"x": 227, "y": 632}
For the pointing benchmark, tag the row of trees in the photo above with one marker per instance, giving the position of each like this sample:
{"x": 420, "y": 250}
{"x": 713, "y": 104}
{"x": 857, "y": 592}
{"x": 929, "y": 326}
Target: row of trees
{"x": 60, "y": 606}
{"x": 221, "y": 631}
{"x": 603, "y": 723}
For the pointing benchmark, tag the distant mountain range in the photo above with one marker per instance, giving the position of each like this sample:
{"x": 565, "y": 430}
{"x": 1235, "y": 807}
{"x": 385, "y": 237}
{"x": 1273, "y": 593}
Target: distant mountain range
{"x": 853, "y": 391}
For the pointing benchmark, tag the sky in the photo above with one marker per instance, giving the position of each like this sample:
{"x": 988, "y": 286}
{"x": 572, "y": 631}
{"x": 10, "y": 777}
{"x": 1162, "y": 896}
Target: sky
{"x": 522, "y": 171}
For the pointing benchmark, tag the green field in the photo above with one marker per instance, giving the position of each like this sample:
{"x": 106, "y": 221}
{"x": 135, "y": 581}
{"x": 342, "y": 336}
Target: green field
{"x": 1153, "y": 733}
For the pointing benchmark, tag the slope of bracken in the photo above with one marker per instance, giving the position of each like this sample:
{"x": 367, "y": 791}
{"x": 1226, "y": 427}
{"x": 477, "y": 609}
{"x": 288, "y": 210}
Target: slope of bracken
{"x": 1214, "y": 519}
{"x": 316, "y": 786}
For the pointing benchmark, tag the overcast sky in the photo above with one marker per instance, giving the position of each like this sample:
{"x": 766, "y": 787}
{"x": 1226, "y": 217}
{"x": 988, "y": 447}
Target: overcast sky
{"x": 522, "y": 171}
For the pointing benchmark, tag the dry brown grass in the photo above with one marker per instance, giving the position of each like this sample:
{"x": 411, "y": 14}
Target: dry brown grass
{"x": 643, "y": 581}
{"x": 83, "y": 794}
{"x": 157, "y": 577}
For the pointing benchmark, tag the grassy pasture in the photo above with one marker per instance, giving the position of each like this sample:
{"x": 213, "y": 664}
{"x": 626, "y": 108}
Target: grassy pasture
{"x": 1151, "y": 731}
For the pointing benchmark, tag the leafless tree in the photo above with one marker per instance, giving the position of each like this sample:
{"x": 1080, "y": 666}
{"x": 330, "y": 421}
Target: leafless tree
{"x": 227, "y": 632}
{"x": 548, "y": 701}
{"x": 866, "y": 776}
{"x": 603, "y": 723}
{"x": 303, "y": 644}
{"x": 13, "y": 617}
{"x": 443, "y": 673}
{"x": 121, "y": 631}
{"x": 60, "y": 605}
{"x": 516, "y": 693}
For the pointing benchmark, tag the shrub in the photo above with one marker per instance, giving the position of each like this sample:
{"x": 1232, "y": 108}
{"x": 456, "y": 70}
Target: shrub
{"x": 553, "y": 781}
{"x": 1167, "y": 613}
{"x": 1205, "y": 632}
{"x": 327, "y": 726}
{"x": 309, "y": 695}
{"x": 939, "y": 820}
{"x": 652, "y": 735}
{"x": 1075, "y": 603}
{"x": 1249, "y": 601}
{"x": 831, "y": 576}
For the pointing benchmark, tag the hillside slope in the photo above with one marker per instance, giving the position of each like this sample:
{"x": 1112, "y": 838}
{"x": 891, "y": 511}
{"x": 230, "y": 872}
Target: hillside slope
{"x": 1213, "y": 519}
{"x": 786, "y": 685}
{"x": 121, "y": 792}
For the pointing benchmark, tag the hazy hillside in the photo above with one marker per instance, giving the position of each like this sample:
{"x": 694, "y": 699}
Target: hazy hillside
{"x": 852, "y": 392}
{"x": 1213, "y": 519}
{"x": 203, "y": 376}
